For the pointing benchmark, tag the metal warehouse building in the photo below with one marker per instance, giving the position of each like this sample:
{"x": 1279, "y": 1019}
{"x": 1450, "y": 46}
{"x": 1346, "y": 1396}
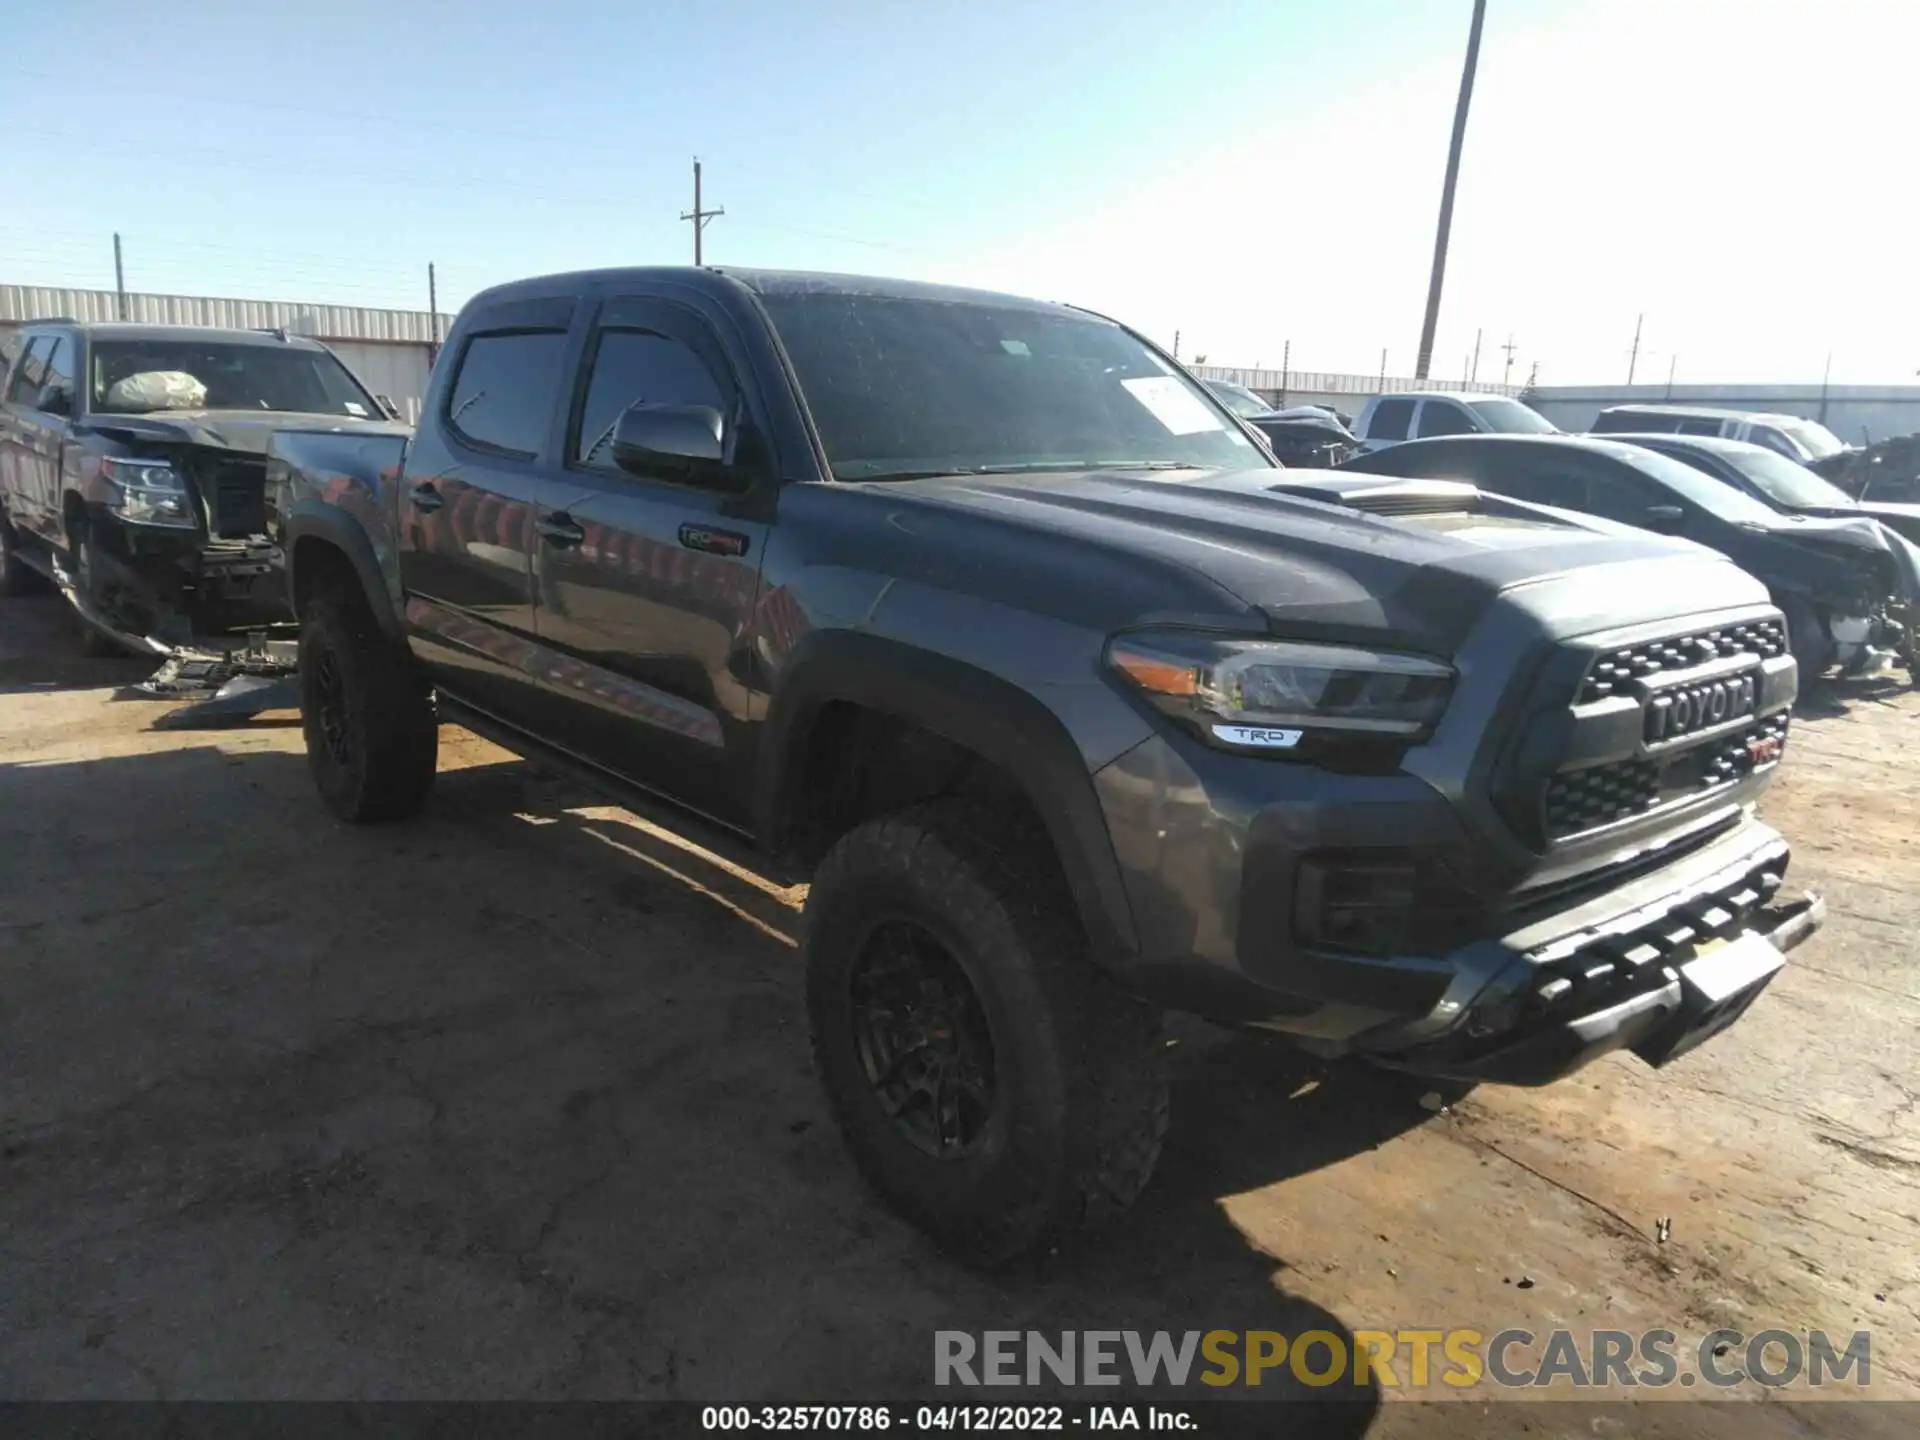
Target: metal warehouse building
{"x": 390, "y": 350}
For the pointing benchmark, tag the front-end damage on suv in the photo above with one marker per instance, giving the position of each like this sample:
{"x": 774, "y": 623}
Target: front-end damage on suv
{"x": 175, "y": 519}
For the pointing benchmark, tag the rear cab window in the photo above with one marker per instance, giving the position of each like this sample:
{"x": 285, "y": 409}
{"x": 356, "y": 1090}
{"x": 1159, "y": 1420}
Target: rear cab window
{"x": 502, "y": 394}
{"x": 1389, "y": 420}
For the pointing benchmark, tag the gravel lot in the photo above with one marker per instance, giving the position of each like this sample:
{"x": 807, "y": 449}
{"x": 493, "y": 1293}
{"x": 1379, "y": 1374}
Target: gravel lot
{"x": 515, "y": 1102}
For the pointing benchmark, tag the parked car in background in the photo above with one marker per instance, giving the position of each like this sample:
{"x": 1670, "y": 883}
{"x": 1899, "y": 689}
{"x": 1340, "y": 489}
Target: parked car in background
{"x": 133, "y": 472}
{"x": 1307, "y": 437}
{"x": 1775, "y": 481}
{"x": 1840, "y": 583}
{"x": 1807, "y": 441}
{"x": 986, "y": 616}
{"x": 1389, "y": 419}
{"x": 1238, "y": 398}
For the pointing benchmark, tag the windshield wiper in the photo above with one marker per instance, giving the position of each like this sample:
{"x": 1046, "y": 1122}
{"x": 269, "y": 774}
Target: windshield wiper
{"x": 1044, "y": 465}
{"x": 1027, "y": 467}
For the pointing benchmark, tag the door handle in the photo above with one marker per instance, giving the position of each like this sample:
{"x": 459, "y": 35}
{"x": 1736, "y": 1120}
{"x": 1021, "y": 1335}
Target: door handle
{"x": 559, "y": 530}
{"x": 425, "y": 498}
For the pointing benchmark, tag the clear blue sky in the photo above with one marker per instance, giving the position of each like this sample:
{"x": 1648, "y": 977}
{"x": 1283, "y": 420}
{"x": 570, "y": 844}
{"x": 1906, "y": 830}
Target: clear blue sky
{"x": 1246, "y": 171}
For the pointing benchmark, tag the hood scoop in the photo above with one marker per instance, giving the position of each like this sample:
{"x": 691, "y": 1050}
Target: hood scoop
{"x": 1385, "y": 496}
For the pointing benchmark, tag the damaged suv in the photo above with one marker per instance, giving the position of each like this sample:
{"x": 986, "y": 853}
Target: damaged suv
{"x": 132, "y": 472}
{"x": 985, "y": 615}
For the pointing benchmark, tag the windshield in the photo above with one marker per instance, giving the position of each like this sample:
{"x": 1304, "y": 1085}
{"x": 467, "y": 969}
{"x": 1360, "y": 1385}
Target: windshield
{"x": 1510, "y": 417}
{"x": 1237, "y": 398}
{"x": 900, "y": 387}
{"x": 134, "y": 377}
{"x": 1716, "y": 497}
{"x": 1786, "y": 481}
{"x": 1813, "y": 437}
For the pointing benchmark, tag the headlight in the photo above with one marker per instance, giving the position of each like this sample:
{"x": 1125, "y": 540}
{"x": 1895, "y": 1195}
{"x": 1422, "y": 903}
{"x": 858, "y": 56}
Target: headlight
{"x": 151, "y": 492}
{"x": 1284, "y": 695}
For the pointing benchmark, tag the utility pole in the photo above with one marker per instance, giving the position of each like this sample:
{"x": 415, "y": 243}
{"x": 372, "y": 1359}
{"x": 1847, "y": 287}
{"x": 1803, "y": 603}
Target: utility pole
{"x": 119, "y": 280}
{"x": 1825, "y": 376}
{"x": 433, "y": 318}
{"x": 1633, "y": 356}
{"x": 1424, "y": 358}
{"x": 1533, "y": 375}
{"x": 1672, "y": 362}
{"x": 1473, "y": 376}
{"x": 1176, "y": 344}
{"x": 1383, "y": 370}
{"x": 698, "y": 216}
{"x": 1286, "y": 367}
{"x": 1506, "y": 376}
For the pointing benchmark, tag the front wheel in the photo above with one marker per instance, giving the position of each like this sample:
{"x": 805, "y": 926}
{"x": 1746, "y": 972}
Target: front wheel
{"x": 990, "y": 1083}
{"x": 1813, "y": 649}
{"x": 94, "y": 643}
{"x": 373, "y": 741}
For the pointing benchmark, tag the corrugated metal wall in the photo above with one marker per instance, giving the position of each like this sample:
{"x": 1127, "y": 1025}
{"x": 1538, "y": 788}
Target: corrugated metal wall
{"x": 325, "y": 322}
{"x": 388, "y": 349}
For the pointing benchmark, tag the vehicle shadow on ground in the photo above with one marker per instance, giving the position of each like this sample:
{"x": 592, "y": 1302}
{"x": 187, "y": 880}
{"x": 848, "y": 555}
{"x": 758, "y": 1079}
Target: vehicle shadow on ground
{"x": 1248, "y": 1110}
{"x": 1830, "y": 699}
{"x": 40, "y": 651}
{"x": 527, "y": 1078}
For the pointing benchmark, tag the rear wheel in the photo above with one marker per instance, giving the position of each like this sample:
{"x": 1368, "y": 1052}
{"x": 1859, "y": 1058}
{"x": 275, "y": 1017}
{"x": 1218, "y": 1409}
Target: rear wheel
{"x": 991, "y": 1084}
{"x": 373, "y": 741}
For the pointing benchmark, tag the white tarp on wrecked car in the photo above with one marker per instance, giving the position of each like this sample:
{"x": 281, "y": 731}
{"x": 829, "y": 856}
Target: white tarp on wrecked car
{"x": 157, "y": 390}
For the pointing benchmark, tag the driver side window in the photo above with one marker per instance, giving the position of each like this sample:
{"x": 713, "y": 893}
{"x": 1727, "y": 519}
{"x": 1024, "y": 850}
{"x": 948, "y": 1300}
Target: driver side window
{"x": 633, "y": 366}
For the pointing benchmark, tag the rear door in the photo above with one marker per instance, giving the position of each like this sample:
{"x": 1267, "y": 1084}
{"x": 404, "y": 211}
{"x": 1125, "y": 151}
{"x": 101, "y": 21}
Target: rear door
{"x": 473, "y": 484}
{"x": 20, "y": 485}
{"x": 45, "y": 429}
{"x": 1389, "y": 422}
{"x": 647, "y": 582}
{"x": 1444, "y": 417}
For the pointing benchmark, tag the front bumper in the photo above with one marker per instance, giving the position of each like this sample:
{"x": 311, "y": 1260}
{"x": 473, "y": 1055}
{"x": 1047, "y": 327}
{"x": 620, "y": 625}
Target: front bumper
{"x": 1658, "y": 982}
{"x": 158, "y": 589}
{"x": 1506, "y": 978}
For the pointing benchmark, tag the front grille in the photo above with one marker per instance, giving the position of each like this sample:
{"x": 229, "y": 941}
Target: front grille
{"x": 236, "y": 494}
{"x": 1580, "y": 800}
{"x": 1612, "y": 671}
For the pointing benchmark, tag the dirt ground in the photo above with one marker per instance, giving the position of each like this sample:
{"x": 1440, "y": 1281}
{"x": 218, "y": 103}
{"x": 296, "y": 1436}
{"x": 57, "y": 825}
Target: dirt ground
{"x": 514, "y": 1101}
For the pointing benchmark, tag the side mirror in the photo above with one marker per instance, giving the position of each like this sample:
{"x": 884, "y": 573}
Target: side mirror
{"x": 56, "y": 400}
{"x": 1665, "y": 518}
{"x": 675, "y": 442}
{"x": 385, "y": 402}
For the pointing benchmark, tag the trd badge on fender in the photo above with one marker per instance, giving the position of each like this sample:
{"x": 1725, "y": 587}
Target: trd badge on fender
{"x": 1681, "y": 711}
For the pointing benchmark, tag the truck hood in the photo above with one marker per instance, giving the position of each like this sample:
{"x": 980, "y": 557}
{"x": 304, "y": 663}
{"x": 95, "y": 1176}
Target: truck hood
{"x": 247, "y": 431}
{"x": 1327, "y": 553}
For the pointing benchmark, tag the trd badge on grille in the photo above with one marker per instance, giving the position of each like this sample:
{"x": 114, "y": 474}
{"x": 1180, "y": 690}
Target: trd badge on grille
{"x": 1687, "y": 708}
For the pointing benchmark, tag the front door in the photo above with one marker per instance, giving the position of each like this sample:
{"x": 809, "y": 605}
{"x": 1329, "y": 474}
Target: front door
{"x": 647, "y": 585}
{"x": 466, "y": 518}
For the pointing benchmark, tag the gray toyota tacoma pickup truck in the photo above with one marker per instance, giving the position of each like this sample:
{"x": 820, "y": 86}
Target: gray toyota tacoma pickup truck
{"x": 1074, "y": 706}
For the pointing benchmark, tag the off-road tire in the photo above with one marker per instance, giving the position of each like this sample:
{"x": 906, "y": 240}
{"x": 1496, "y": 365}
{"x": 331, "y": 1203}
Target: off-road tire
{"x": 373, "y": 741}
{"x": 1080, "y": 1093}
{"x": 1813, "y": 649}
